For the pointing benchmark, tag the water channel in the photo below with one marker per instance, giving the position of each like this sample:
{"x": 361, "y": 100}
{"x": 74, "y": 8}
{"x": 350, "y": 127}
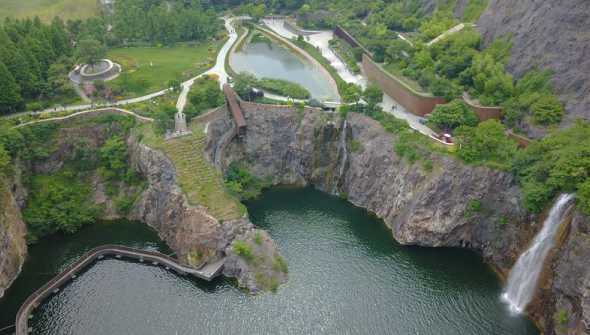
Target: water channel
{"x": 347, "y": 276}
{"x": 273, "y": 60}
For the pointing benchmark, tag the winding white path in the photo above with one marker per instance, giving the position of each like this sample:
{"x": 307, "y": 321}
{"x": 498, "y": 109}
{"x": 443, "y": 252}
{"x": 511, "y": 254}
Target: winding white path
{"x": 219, "y": 68}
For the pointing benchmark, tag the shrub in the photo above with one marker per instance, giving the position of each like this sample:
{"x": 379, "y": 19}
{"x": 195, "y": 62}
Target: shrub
{"x": 473, "y": 207}
{"x": 486, "y": 143}
{"x": 242, "y": 183}
{"x": 258, "y": 238}
{"x": 547, "y": 110}
{"x": 279, "y": 264}
{"x": 243, "y": 249}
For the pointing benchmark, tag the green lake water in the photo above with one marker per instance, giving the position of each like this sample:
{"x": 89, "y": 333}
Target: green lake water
{"x": 272, "y": 60}
{"x": 347, "y": 276}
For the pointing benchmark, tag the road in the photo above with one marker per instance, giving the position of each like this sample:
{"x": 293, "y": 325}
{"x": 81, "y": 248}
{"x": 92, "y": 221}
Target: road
{"x": 219, "y": 68}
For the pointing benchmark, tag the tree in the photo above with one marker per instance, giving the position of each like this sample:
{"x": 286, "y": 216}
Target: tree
{"x": 90, "y": 51}
{"x": 490, "y": 80}
{"x": 547, "y": 110}
{"x": 373, "y": 95}
{"x": 452, "y": 115}
{"x": 352, "y": 93}
{"x": 10, "y": 98}
{"x": 4, "y": 160}
{"x": 485, "y": 143}
{"x": 164, "y": 119}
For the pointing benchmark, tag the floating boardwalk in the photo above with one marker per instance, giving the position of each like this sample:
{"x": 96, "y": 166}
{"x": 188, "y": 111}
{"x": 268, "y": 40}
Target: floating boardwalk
{"x": 207, "y": 272}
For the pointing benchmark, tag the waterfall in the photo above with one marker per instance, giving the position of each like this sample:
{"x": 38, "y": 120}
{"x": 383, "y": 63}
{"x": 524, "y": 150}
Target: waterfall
{"x": 523, "y": 277}
{"x": 342, "y": 152}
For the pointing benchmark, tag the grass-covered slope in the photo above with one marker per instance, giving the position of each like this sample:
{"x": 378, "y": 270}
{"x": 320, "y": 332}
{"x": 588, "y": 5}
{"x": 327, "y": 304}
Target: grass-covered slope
{"x": 199, "y": 180}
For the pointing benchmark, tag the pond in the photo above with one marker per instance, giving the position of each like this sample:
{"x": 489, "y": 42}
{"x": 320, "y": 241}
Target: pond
{"x": 346, "y": 276}
{"x": 273, "y": 60}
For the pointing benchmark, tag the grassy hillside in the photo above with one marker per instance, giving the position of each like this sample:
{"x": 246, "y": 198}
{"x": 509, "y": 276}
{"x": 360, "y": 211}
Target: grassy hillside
{"x": 47, "y": 9}
{"x": 199, "y": 180}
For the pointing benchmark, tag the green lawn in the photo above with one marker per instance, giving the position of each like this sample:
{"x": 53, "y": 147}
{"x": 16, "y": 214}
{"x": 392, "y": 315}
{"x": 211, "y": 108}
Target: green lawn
{"x": 48, "y": 9}
{"x": 149, "y": 69}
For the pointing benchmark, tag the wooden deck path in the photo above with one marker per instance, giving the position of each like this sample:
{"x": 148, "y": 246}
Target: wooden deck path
{"x": 207, "y": 272}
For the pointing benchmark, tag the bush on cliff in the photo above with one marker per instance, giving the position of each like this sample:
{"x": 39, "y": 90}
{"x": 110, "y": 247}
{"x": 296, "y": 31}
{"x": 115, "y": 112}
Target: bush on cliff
{"x": 487, "y": 144}
{"x": 241, "y": 182}
{"x": 558, "y": 163}
{"x": 58, "y": 203}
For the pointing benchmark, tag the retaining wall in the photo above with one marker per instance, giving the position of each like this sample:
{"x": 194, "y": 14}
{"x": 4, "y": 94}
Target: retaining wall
{"x": 343, "y": 34}
{"x": 483, "y": 112}
{"x": 412, "y": 101}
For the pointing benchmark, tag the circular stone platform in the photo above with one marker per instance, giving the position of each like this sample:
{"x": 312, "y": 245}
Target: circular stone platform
{"x": 104, "y": 70}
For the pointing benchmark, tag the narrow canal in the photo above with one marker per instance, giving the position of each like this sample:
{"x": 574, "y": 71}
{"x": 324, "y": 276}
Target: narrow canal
{"x": 273, "y": 60}
{"x": 347, "y": 276}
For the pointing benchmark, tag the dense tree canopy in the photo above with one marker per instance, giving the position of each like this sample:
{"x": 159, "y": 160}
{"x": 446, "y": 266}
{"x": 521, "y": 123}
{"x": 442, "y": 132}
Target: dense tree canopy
{"x": 28, "y": 49}
{"x": 452, "y": 115}
{"x": 558, "y": 163}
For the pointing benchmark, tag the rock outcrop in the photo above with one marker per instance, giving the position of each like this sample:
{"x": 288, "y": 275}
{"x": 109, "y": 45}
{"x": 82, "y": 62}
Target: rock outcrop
{"x": 551, "y": 35}
{"x": 195, "y": 235}
{"x": 13, "y": 246}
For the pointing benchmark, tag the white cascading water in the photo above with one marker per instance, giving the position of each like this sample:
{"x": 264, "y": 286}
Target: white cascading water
{"x": 523, "y": 277}
{"x": 344, "y": 154}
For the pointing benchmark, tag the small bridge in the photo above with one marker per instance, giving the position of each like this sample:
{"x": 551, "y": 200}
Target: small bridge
{"x": 207, "y": 272}
{"x": 235, "y": 109}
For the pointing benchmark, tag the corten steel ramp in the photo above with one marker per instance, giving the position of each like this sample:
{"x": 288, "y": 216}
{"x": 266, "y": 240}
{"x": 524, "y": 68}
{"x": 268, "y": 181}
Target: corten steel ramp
{"x": 207, "y": 272}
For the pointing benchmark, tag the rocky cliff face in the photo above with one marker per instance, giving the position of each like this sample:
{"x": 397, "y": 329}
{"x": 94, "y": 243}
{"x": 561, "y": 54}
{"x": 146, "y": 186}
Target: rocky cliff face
{"x": 551, "y": 35}
{"x": 13, "y": 246}
{"x": 194, "y": 235}
{"x": 567, "y": 307}
{"x": 451, "y": 205}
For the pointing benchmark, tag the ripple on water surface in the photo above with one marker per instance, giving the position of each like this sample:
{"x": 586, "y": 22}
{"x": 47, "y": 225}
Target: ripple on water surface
{"x": 347, "y": 276}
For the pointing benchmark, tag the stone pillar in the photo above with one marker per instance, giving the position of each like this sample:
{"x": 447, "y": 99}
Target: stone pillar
{"x": 180, "y": 126}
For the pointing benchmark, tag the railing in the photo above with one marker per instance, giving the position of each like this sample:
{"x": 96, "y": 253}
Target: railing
{"x": 207, "y": 272}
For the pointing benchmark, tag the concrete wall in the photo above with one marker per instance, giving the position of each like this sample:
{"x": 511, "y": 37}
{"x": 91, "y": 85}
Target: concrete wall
{"x": 413, "y": 102}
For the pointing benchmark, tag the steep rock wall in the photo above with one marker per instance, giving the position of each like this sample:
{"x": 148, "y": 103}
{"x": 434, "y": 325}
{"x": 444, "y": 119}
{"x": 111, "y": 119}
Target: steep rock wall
{"x": 428, "y": 208}
{"x": 422, "y": 207}
{"x": 552, "y": 35}
{"x": 13, "y": 246}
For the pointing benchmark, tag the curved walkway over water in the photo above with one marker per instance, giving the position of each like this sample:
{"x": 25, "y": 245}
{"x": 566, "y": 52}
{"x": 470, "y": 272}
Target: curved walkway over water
{"x": 207, "y": 272}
